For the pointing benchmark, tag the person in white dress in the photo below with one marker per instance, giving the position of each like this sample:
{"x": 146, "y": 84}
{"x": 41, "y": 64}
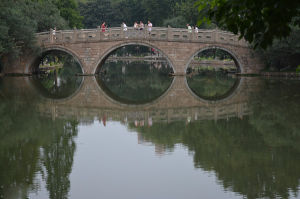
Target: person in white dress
{"x": 124, "y": 26}
{"x": 189, "y": 27}
{"x": 196, "y": 29}
{"x": 149, "y": 27}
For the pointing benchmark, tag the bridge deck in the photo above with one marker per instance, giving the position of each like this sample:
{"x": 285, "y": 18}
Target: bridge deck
{"x": 157, "y": 33}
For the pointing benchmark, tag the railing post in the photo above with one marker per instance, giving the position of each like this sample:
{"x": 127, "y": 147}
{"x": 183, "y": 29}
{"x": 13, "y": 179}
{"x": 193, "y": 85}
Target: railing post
{"x": 169, "y": 33}
{"x": 109, "y": 33}
{"x": 51, "y": 35}
{"x": 122, "y": 32}
{"x": 99, "y": 32}
{"x": 193, "y": 34}
{"x": 62, "y": 36}
{"x": 214, "y": 35}
{"x": 75, "y": 32}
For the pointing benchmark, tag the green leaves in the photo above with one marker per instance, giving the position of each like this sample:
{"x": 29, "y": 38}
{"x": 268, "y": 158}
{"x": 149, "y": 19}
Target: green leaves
{"x": 19, "y": 20}
{"x": 259, "y": 22}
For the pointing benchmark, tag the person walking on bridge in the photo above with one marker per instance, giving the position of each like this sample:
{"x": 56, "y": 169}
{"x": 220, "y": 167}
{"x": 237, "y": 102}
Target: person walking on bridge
{"x": 124, "y": 26}
{"x": 135, "y": 26}
{"x": 103, "y": 27}
{"x": 141, "y": 25}
{"x": 189, "y": 27}
{"x": 149, "y": 27}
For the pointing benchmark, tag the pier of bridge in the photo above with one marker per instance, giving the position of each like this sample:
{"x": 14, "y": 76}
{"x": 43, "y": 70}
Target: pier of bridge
{"x": 90, "y": 47}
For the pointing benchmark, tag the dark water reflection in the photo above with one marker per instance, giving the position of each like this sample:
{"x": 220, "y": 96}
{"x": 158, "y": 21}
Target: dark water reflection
{"x": 212, "y": 85}
{"x": 135, "y": 82}
{"x": 57, "y": 76}
{"x": 75, "y": 155}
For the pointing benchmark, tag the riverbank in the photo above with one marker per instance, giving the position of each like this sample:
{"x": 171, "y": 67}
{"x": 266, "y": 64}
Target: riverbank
{"x": 281, "y": 74}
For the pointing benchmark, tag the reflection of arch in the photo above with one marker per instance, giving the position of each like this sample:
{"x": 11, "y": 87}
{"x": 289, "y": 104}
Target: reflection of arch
{"x": 228, "y": 95}
{"x": 34, "y": 85}
{"x": 36, "y": 60}
{"x": 124, "y": 102}
{"x": 114, "y": 100}
{"x": 235, "y": 59}
{"x": 127, "y": 43}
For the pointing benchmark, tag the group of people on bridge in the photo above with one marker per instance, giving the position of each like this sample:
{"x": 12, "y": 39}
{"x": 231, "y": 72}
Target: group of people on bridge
{"x": 136, "y": 26}
{"x": 190, "y": 28}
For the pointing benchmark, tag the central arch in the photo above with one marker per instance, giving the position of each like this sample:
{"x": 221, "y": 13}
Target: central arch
{"x": 127, "y": 43}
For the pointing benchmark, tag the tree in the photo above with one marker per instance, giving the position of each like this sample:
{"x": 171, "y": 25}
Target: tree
{"x": 175, "y": 22}
{"x": 69, "y": 11}
{"x": 285, "y": 53}
{"x": 19, "y": 20}
{"x": 96, "y": 12}
{"x": 16, "y": 29}
{"x": 259, "y": 22}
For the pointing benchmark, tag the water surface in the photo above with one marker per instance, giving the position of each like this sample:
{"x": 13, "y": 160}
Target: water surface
{"x": 247, "y": 146}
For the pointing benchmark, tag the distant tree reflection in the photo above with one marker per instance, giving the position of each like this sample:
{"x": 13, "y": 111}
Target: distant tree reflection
{"x": 29, "y": 143}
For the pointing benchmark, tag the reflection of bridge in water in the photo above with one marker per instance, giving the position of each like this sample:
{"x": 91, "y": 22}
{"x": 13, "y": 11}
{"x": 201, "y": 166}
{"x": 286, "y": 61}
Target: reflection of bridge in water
{"x": 177, "y": 104}
{"x": 194, "y": 62}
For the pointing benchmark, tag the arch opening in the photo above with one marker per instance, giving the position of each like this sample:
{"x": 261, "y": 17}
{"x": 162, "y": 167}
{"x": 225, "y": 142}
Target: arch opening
{"x": 135, "y": 74}
{"x": 57, "y": 74}
{"x": 211, "y": 73}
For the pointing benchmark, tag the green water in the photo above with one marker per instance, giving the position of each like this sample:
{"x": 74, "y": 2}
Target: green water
{"x": 80, "y": 148}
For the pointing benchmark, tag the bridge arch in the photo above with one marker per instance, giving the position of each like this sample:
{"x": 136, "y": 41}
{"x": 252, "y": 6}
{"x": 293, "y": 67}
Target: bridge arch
{"x": 127, "y": 43}
{"x": 35, "y": 61}
{"x": 236, "y": 60}
{"x": 232, "y": 91}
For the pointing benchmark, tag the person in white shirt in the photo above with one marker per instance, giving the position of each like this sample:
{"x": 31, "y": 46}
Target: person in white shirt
{"x": 149, "y": 26}
{"x": 124, "y": 27}
{"x": 196, "y": 29}
{"x": 141, "y": 25}
{"x": 135, "y": 25}
{"x": 189, "y": 27}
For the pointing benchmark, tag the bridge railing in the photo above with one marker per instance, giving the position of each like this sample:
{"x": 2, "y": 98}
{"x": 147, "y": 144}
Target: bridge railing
{"x": 157, "y": 33}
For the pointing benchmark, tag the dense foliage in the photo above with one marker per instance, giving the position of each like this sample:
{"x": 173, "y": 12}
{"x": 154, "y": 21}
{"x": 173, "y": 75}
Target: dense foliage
{"x": 35, "y": 145}
{"x": 284, "y": 55}
{"x": 19, "y": 20}
{"x": 159, "y": 12}
{"x": 259, "y": 22}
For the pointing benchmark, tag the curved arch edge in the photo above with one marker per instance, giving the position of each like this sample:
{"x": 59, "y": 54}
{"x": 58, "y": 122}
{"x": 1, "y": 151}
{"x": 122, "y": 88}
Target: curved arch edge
{"x": 238, "y": 63}
{"x": 127, "y": 43}
{"x": 58, "y": 48}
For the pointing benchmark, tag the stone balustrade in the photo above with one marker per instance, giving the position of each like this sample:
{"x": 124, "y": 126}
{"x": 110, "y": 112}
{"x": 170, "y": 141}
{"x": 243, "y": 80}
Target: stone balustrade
{"x": 157, "y": 34}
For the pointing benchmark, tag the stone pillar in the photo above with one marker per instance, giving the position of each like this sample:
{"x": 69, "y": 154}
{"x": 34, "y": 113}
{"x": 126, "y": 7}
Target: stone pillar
{"x": 169, "y": 33}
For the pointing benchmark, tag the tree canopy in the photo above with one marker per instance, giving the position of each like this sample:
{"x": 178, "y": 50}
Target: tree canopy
{"x": 259, "y": 22}
{"x": 19, "y": 20}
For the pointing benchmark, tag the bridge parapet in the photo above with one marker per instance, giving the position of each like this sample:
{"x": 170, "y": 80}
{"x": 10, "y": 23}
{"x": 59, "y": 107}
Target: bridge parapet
{"x": 157, "y": 34}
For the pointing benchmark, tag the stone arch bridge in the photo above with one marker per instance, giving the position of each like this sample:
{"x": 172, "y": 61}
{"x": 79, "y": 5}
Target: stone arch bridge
{"x": 91, "y": 46}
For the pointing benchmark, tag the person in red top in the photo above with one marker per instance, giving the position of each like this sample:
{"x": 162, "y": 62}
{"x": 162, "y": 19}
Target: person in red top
{"x": 103, "y": 27}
